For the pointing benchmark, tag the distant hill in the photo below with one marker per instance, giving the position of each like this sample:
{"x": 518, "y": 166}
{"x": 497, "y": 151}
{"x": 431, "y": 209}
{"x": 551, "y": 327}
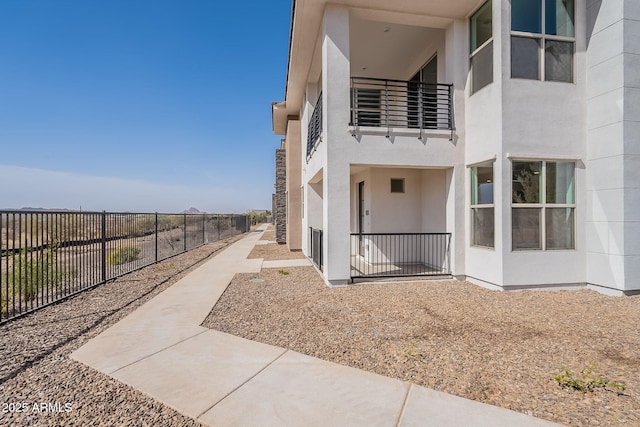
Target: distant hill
{"x": 38, "y": 209}
{"x": 191, "y": 211}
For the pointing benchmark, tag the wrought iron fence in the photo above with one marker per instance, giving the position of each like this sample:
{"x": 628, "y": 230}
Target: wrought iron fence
{"x": 400, "y": 254}
{"x": 402, "y": 104}
{"x": 48, "y": 256}
{"x": 315, "y": 127}
{"x": 315, "y": 243}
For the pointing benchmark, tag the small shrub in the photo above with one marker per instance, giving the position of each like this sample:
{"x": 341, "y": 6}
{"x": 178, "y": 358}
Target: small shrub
{"x": 32, "y": 271}
{"x": 412, "y": 353}
{"x": 586, "y": 381}
{"x": 283, "y": 272}
{"x": 123, "y": 255}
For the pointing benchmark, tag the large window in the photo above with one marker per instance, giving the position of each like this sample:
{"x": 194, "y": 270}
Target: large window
{"x": 481, "y": 47}
{"x": 542, "y": 39}
{"x": 482, "y": 210}
{"x": 543, "y": 205}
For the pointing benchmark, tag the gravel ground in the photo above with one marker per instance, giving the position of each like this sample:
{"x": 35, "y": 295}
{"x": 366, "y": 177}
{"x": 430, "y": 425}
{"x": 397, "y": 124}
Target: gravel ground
{"x": 501, "y": 348}
{"x": 269, "y": 234}
{"x": 273, "y": 252}
{"x": 36, "y": 368}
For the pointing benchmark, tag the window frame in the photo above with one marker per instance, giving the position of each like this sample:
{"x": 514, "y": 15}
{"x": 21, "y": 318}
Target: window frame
{"x": 543, "y": 206}
{"x": 542, "y": 39}
{"x": 473, "y": 206}
{"x": 488, "y": 44}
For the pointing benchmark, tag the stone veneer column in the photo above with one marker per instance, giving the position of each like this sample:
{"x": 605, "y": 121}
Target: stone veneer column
{"x": 280, "y": 218}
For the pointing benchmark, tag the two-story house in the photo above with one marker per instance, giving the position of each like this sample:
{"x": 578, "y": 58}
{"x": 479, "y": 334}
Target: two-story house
{"x": 496, "y": 141}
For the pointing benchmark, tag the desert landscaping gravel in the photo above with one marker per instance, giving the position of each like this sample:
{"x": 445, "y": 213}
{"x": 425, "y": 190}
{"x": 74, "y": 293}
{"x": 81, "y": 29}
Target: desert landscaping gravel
{"x": 273, "y": 252}
{"x": 501, "y": 348}
{"x": 41, "y": 385}
{"x": 495, "y": 347}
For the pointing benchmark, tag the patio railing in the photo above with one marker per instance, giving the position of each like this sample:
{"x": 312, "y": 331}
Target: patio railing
{"x": 401, "y": 104}
{"x": 47, "y": 256}
{"x": 400, "y": 254}
{"x": 314, "y": 129}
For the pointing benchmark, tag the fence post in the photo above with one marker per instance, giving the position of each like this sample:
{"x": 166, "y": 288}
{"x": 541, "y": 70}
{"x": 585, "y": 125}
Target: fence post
{"x": 156, "y": 236}
{"x": 185, "y": 232}
{"x": 104, "y": 246}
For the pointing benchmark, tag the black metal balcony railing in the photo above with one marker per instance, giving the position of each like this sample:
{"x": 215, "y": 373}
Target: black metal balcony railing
{"x": 400, "y": 254}
{"x": 315, "y": 127}
{"x": 47, "y": 256}
{"x": 315, "y": 245}
{"x": 401, "y": 104}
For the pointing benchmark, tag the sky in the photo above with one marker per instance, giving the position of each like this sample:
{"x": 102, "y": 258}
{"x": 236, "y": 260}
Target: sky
{"x": 140, "y": 105}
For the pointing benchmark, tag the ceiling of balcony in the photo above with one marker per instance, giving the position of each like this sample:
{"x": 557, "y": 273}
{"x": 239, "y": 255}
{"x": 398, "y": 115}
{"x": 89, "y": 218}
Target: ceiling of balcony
{"x": 390, "y": 50}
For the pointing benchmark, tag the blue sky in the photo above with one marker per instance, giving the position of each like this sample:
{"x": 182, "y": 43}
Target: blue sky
{"x": 140, "y": 105}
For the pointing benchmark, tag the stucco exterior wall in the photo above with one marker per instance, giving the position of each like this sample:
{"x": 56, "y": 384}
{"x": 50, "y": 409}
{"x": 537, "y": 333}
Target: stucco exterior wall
{"x": 613, "y": 152}
{"x": 293, "y": 147}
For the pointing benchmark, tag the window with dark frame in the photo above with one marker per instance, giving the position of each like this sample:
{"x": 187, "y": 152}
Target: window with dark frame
{"x": 397, "y": 185}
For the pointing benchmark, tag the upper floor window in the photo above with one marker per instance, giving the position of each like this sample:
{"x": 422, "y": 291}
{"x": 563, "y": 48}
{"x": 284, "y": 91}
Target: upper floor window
{"x": 481, "y": 46}
{"x": 542, "y": 39}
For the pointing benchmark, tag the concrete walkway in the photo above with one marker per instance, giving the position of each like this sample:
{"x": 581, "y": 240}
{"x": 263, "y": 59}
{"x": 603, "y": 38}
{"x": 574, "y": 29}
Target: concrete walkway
{"x": 223, "y": 380}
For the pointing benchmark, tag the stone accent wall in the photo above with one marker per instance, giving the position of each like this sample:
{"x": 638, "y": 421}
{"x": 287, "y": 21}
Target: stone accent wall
{"x": 280, "y": 209}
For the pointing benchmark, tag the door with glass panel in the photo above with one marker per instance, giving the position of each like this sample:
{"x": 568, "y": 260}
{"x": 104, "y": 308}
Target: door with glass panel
{"x": 422, "y": 97}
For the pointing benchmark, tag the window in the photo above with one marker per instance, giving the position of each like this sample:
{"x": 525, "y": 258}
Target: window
{"x": 481, "y": 47}
{"x": 397, "y": 185}
{"x": 543, "y": 205}
{"x": 542, "y": 40}
{"x": 482, "y": 212}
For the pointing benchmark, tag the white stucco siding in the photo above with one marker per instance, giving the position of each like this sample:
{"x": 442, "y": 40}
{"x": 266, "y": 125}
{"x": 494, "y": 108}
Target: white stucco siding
{"x": 632, "y": 144}
{"x": 395, "y": 212}
{"x": 336, "y": 112}
{"x": 434, "y": 201}
{"x": 613, "y": 130}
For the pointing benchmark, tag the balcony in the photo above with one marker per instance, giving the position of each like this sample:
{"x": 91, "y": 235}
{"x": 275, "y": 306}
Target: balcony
{"x": 401, "y": 104}
{"x": 315, "y": 127}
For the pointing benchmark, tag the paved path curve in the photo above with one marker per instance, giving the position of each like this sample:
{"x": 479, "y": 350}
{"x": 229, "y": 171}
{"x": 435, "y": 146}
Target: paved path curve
{"x": 223, "y": 380}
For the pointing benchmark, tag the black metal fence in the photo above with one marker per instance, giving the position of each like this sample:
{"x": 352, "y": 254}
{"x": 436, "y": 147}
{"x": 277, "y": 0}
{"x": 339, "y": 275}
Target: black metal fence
{"x": 315, "y": 245}
{"x": 47, "y": 256}
{"x": 402, "y": 104}
{"x": 315, "y": 127}
{"x": 400, "y": 254}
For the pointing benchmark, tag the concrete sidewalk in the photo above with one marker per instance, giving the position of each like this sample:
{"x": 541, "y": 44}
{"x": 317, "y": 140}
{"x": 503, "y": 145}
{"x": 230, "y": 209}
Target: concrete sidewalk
{"x": 223, "y": 380}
